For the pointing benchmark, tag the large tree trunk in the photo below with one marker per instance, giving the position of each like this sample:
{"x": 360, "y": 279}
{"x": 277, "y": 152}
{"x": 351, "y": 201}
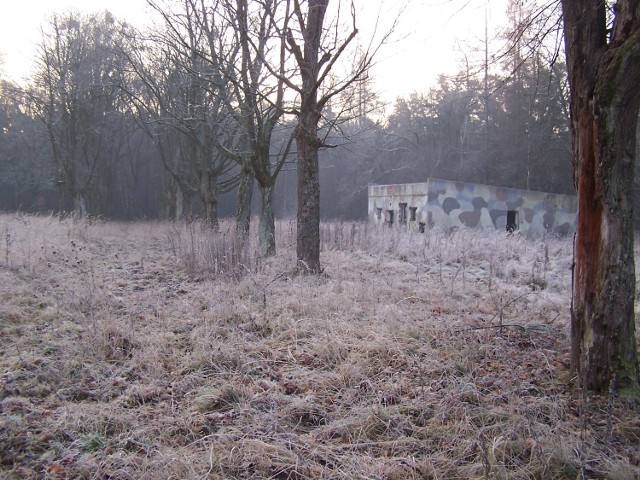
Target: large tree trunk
{"x": 308, "y": 236}
{"x": 604, "y": 106}
{"x": 267, "y": 226}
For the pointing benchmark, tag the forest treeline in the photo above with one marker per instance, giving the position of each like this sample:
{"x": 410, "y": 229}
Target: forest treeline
{"x": 192, "y": 117}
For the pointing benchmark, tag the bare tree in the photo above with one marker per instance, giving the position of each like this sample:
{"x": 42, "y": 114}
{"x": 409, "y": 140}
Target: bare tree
{"x": 182, "y": 104}
{"x": 604, "y": 73}
{"x": 258, "y": 91}
{"x": 155, "y": 98}
{"x": 76, "y": 95}
{"x": 315, "y": 53}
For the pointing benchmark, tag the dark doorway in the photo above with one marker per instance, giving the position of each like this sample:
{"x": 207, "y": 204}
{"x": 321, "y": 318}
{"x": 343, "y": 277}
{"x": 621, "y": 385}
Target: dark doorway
{"x": 512, "y": 220}
{"x": 402, "y": 213}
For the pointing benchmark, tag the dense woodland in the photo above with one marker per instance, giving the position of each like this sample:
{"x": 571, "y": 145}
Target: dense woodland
{"x": 166, "y": 123}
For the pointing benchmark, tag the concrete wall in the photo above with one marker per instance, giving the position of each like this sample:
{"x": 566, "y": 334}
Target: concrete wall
{"x": 454, "y": 204}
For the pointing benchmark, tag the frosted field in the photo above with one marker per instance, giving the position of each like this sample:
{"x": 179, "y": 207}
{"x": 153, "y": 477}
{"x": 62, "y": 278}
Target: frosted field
{"x": 158, "y": 350}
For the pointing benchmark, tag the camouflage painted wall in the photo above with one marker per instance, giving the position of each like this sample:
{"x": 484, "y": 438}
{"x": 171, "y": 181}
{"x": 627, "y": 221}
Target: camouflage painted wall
{"x": 455, "y": 204}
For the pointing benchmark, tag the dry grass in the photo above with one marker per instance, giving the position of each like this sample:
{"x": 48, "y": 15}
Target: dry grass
{"x": 156, "y": 351}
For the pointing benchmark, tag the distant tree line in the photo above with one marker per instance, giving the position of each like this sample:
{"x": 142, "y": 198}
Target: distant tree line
{"x": 189, "y": 119}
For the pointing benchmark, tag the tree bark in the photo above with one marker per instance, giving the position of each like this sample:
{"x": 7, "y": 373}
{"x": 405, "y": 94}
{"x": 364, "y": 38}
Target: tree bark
{"x": 267, "y": 227}
{"x": 211, "y": 211}
{"x": 603, "y": 75}
{"x": 209, "y": 198}
{"x": 80, "y": 205}
{"x": 243, "y": 204}
{"x": 308, "y": 219}
{"x": 179, "y": 205}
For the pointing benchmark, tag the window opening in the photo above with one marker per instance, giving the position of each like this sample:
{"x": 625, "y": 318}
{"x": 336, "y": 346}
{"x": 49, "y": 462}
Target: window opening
{"x": 390, "y": 217}
{"x": 412, "y": 213}
{"x": 378, "y": 213}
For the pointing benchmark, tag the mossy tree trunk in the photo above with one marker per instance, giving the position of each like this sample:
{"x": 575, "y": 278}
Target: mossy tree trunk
{"x": 604, "y": 74}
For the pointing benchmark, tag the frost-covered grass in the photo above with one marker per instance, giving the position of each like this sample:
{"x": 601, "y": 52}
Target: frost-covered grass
{"x": 156, "y": 350}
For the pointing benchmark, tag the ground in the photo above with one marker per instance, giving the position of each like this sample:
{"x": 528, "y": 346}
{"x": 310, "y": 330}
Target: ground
{"x": 157, "y": 350}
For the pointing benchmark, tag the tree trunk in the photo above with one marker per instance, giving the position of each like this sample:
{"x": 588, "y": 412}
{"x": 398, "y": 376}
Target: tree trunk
{"x": 267, "y": 226}
{"x": 314, "y": 70}
{"x": 603, "y": 344}
{"x": 307, "y": 142}
{"x": 604, "y": 106}
{"x": 308, "y": 236}
{"x": 243, "y": 205}
{"x": 209, "y": 198}
{"x": 80, "y": 205}
{"x": 179, "y": 202}
{"x": 211, "y": 211}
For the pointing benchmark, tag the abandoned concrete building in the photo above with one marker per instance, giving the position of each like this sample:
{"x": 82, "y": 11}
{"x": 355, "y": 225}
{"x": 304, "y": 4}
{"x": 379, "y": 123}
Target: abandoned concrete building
{"x": 453, "y": 204}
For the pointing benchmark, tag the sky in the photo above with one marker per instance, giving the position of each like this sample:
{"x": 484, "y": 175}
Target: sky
{"x": 431, "y": 36}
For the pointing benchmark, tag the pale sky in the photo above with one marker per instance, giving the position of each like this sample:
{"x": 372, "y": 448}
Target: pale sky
{"x": 432, "y": 36}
